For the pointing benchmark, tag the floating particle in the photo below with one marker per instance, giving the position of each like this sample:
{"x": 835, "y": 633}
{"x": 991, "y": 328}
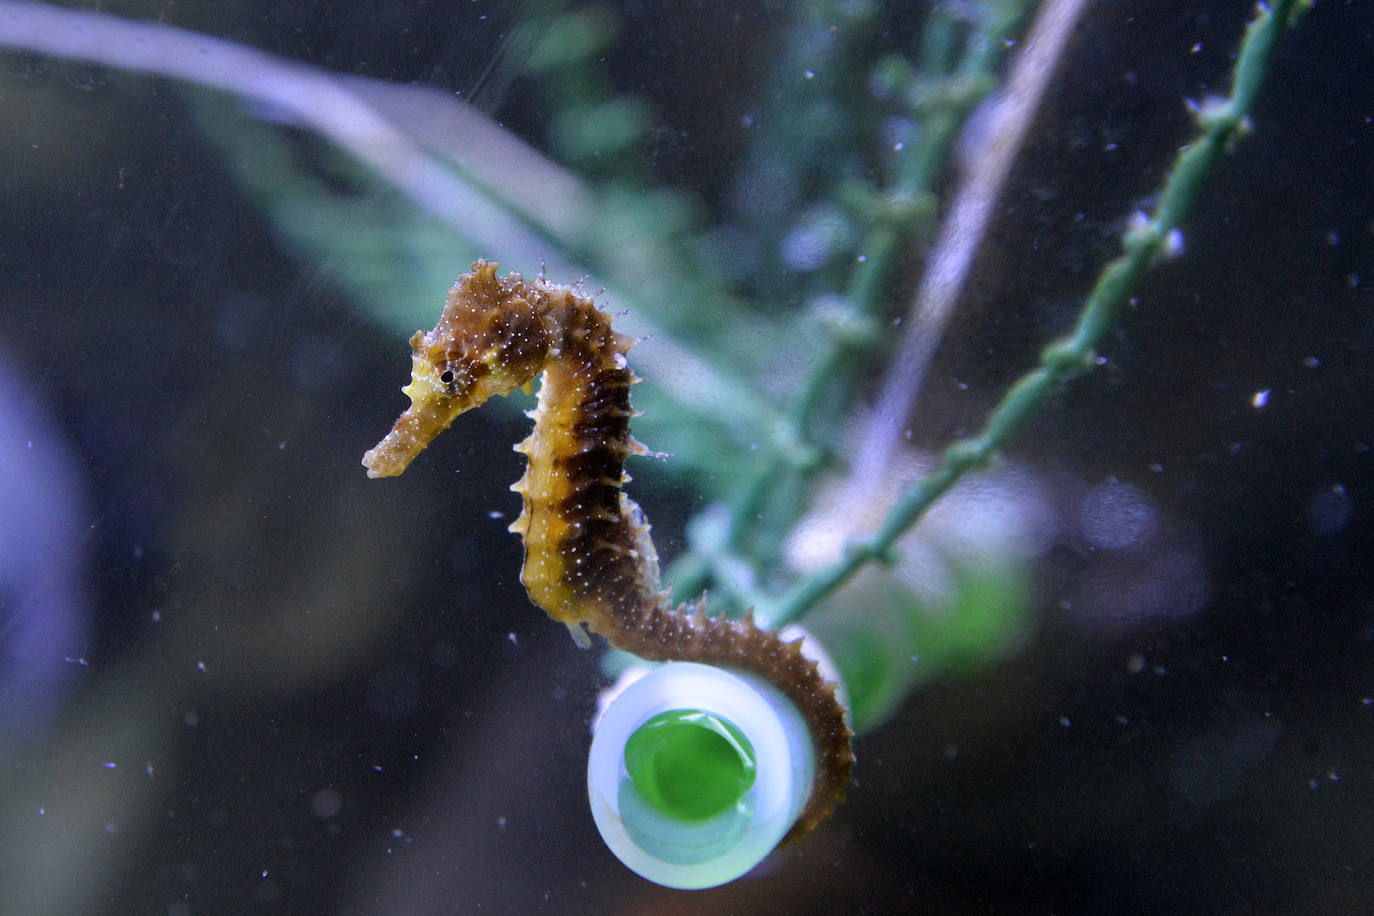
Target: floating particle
{"x": 1329, "y": 512}
{"x": 1116, "y": 516}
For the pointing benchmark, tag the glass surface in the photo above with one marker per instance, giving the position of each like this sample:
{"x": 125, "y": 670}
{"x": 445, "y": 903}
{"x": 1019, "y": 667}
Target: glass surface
{"x": 1128, "y": 667}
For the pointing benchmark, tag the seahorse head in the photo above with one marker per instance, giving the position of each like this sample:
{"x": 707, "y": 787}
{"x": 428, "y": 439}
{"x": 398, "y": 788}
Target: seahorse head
{"x": 489, "y": 341}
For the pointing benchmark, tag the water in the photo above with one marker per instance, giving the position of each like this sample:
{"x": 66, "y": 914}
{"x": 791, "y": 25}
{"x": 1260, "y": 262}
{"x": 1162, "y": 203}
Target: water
{"x": 240, "y": 677}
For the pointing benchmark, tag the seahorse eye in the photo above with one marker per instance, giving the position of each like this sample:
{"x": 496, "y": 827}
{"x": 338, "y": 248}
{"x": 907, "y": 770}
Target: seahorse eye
{"x": 447, "y": 377}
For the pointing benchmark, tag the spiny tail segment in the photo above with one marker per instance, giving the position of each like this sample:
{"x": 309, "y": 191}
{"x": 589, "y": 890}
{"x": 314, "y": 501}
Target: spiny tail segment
{"x": 662, "y": 633}
{"x": 589, "y": 559}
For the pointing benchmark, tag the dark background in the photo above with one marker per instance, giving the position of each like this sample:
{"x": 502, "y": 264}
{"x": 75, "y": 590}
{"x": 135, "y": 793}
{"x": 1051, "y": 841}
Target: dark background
{"x": 371, "y": 645}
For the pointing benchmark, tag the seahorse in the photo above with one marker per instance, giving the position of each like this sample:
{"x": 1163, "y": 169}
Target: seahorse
{"x": 590, "y": 562}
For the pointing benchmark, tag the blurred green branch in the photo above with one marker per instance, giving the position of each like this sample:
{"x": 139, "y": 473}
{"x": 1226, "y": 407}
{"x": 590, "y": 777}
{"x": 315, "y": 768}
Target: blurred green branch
{"x": 1221, "y": 121}
{"x": 954, "y": 77}
{"x": 479, "y": 190}
{"x": 431, "y": 182}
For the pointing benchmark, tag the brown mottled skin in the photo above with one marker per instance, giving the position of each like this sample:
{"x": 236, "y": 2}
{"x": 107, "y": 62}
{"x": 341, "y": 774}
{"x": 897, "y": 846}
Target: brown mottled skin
{"x": 589, "y": 559}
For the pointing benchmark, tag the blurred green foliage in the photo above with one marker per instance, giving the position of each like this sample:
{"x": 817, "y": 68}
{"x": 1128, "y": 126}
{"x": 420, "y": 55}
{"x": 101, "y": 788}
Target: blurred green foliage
{"x": 763, "y": 313}
{"x": 887, "y": 640}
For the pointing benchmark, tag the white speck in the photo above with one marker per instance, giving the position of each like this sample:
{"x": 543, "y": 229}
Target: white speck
{"x": 1311, "y": 362}
{"x": 1173, "y": 244}
{"x": 110, "y": 764}
{"x": 862, "y": 259}
{"x": 898, "y": 146}
{"x": 1197, "y": 47}
{"x": 397, "y": 832}
{"x": 1261, "y": 398}
{"x": 496, "y": 513}
{"x": 157, "y": 617}
{"x": 1064, "y": 721}
{"x": 511, "y": 637}
{"x": 809, "y": 74}
{"x": 200, "y": 666}
{"x": 501, "y": 823}
{"x": 148, "y": 768}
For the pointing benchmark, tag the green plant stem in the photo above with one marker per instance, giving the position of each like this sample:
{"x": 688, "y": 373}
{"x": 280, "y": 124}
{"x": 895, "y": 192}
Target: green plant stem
{"x": 942, "y": 95}
{"x": 1221, "y": 121}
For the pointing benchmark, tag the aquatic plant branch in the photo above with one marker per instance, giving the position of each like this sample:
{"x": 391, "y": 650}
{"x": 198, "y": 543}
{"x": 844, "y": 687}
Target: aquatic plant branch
{"x": 945, "y": 92}
{"x": 953, "y": 78}
{"x": 376, "y": 121}
{"x": 996, "y": 134}
{"x": 466, "y": 170}
{"x": 316, "y": 99}
{"x": 1221, "y": 121}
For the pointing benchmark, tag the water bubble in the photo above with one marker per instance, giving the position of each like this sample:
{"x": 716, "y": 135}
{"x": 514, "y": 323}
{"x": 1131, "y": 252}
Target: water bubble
{"x": 1328, "y": 513}
{"x": 820, "y": 232}
{"x": 326, "y": 803}
{"x": 1116, "y": 516}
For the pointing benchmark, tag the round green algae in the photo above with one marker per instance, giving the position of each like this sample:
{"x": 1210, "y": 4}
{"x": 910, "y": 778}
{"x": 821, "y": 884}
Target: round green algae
{"x": 690, "y": 764}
